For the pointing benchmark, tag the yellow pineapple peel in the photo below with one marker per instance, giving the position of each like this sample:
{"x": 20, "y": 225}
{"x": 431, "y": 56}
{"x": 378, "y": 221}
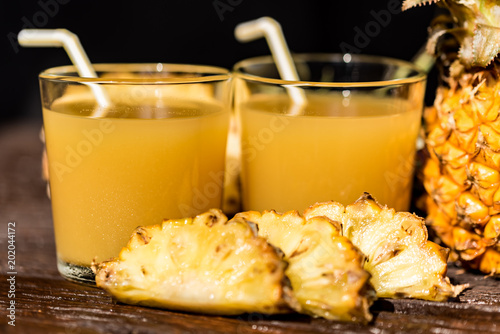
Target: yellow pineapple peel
{"x": 325, "y": 269}
{"x": 400, "y": 259}
{"x": 203, "y": 264}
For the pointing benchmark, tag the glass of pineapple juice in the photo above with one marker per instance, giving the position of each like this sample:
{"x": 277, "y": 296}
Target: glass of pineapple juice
{"x": 356, "y": 133}
{"x": 156, "y": 151}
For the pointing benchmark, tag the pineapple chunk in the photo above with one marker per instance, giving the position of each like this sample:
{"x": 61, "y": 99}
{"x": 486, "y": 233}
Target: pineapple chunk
{"x": 325, "y": 269}
{"x": 203, "y": 264}
{"x": 402, "y": 262}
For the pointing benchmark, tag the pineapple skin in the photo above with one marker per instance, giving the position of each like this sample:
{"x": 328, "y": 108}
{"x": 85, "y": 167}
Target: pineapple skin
{"x": 462, "y": 173}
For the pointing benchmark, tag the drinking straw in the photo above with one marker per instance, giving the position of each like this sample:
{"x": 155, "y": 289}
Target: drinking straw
{"x": 71, "y": 44}
{"x": 270, "y": 29}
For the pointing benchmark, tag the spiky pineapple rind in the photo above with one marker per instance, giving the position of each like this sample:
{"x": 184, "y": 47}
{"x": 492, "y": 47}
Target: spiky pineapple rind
{"x": 462, "y": 173}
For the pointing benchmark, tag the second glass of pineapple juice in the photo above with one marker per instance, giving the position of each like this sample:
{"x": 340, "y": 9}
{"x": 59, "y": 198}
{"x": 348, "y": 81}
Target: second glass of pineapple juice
{"x": 356, "y": 133}
{"x": 156, "y": 152}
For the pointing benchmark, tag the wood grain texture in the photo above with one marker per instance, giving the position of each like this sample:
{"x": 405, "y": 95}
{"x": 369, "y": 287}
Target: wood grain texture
{"x": 46, "y": 303}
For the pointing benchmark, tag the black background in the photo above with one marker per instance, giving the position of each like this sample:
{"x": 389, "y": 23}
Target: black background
{"x": 192, "y": 31}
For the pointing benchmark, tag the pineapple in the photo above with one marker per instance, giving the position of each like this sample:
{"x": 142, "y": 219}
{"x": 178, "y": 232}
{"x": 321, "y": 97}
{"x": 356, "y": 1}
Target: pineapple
{"x": 325, "y": 269}
{"x": 203, "y": 264}
{"x": 400, "y": 259}
{"x": 462, "y": 172}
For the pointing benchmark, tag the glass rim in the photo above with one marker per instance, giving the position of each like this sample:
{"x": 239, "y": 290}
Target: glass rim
{"x": 419, "y": 76}
{"x": 208, "y": 73}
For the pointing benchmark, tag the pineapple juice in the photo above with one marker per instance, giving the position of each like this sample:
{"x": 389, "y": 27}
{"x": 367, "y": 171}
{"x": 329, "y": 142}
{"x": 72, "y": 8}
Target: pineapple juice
{"x": 110, "y": 175}
{"x": 337, "y": 149}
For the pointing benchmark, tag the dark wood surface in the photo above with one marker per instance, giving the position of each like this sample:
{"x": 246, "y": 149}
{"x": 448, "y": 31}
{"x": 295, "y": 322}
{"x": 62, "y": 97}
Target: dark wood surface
{"x": 46, "y": 303}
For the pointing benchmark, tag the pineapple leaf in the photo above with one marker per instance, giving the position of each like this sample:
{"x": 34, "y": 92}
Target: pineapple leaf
{"x": 433, "y": 40}
{"x": 485, "y": 45}
{"x": 407, "y": 4}
{"x": 480, "y": 19}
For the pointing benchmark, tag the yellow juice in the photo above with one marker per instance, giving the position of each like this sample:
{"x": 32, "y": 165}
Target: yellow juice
{"x": 335, "y": 150}
{"x": 110, "y": 175}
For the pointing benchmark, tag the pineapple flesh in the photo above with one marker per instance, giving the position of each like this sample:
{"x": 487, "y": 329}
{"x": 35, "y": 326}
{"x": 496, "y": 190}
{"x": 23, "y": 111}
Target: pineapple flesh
{"x": 462, "y": 173}
{"x": 204, "y": 264}
{"x": 400, "y": 259}
{"x": 330, "y": 262}
{"x": 325, "y": 269}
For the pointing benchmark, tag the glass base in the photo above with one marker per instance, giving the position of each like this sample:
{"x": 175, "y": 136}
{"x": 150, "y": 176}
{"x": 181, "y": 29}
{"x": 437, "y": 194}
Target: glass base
{"x": 76, "y": 273}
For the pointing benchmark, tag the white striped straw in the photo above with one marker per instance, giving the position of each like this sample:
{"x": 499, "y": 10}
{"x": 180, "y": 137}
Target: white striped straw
{"x": 70, "y": 42}
{"x": 270, "y": 29}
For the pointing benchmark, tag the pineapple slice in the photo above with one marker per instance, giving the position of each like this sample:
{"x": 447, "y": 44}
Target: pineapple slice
{"x": 203, "y": 264}
{"x": 402, "y": 262}
{"x": 325, "y": 269}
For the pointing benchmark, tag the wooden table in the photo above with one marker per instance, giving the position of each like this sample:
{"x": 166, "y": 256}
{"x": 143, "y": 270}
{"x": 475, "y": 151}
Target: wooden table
{"x": 46, "y": 303}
